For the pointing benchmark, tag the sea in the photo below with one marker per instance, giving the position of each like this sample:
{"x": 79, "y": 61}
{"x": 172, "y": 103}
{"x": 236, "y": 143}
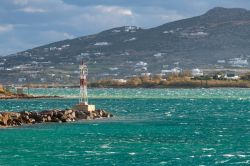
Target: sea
{"x": 200, "y": 127}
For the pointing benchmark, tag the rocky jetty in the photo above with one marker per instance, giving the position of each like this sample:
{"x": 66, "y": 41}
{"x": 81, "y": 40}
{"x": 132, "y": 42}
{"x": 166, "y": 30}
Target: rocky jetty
{"x": 24, "y": 96}
{"x": 11, "y": 119}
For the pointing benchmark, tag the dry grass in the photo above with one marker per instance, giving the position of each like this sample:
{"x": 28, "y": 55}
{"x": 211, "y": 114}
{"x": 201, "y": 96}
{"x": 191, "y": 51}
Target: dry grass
{"x": 174, "y": 81}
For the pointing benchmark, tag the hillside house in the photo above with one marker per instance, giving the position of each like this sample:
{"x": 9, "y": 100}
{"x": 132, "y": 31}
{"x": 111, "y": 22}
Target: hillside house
{"x": 141, "y": 64}
{"x": 175, "y": 70}
{"x": 145, "y": 74}
{"x": 22, "y": 79}
{"x": 238, "y": 62}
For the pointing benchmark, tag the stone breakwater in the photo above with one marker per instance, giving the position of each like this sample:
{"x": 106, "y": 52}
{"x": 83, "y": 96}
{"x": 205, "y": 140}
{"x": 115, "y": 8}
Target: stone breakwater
{"x": 27, "y": 97}
{"x": 11, "y": 119}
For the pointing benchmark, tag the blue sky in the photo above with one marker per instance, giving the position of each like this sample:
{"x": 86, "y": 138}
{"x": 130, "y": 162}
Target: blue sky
{"x": 26, "y": 24}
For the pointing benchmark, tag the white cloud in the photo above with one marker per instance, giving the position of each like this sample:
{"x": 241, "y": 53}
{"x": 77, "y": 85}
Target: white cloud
{"x": 32, "y": 6}
{"x": 33, "y": 10}
{"x": 6, "y": 28}
{"x": 114, "y": 10}
{"x": 68, "y": 36}
{"x": 52, "y": 35}
{"x": 20, "y": 2}
{"x": 171, "y": 16}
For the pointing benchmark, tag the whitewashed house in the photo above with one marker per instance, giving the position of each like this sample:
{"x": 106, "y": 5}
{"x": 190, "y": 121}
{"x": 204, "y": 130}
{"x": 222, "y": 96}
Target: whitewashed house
{"x": 120, "y": 80}
{"x": 21, "y": 79}
{"x": 145, "y": 74}
{"x": 141, "y": 64}
{"x": 238, "y": 62}
{"x": 197, "y": 72}
{"x": 231, "y": 76}
{"x": 175, "y": 70}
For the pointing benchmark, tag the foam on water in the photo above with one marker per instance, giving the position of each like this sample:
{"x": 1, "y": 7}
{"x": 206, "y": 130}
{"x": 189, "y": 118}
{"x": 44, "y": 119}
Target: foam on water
{"x": 150, "y": 127}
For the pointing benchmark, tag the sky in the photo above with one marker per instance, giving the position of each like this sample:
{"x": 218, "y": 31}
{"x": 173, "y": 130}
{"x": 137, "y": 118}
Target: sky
{"x": 26, "y": 24}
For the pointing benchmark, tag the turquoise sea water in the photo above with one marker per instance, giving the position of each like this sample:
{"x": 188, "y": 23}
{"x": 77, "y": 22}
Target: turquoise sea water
{"x": 150, "y": 127}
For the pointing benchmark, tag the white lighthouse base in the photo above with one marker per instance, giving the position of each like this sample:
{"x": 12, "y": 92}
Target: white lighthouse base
{"x": 84, "y": 107}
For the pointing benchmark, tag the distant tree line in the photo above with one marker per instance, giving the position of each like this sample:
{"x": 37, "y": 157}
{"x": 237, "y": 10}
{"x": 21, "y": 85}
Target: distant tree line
{"x": 178, "y": 80}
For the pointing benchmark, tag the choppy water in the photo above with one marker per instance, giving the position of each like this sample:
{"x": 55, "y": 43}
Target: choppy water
{"x": 150, "y": 127}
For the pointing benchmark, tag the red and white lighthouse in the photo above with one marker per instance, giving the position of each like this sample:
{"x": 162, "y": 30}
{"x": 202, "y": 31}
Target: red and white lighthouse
{"x": 83, "y": 84}
{"x": 83, "y": 100}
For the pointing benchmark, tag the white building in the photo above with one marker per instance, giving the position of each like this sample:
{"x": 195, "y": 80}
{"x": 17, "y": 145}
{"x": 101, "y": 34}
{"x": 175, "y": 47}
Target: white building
{"x": 145, "y": 74}
{"x": 231, "y": 77}
{"x": 21, "y": 79}
{"x": 43, "y": 79}
{"x": 175, "y": 70}
{"x": 158, "y": 55}
{"x": 120, "y": 80}
{"x": 141, "y": 64}
{"x": 113, "y": 68}
{"x": 221, "y": 61}
{"x": 238, "y": 62}
{"x": 197, "y": 72}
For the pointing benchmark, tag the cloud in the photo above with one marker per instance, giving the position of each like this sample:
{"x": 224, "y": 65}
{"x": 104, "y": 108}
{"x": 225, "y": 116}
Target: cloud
{"x": 171, "y": 15}
{"x": 20, "y": 2}
{"x": 52, "y": 35}
{"x": 32, "y": 6}
{"x": 68, "y": 36}
{"x": 114, "y": 10}
{"x": 6, "y": 28}
{"x": 33, "y": 10}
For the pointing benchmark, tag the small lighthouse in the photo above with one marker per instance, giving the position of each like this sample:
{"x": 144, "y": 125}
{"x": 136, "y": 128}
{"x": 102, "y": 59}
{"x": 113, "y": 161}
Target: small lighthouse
{"x": 83, "y": 100}
{"x": 83, "y": 84}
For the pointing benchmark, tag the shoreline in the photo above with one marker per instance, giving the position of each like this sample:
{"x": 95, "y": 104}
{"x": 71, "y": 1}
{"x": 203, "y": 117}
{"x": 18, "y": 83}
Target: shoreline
{"x": 141, "y": 87}
{"x": 29, "y": 97}
{"x": 184, "y": 83}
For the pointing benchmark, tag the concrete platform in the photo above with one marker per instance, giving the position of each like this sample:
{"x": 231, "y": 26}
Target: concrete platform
{"x": 83, "y": 107}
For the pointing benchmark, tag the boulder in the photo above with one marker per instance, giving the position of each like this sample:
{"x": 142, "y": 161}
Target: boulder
{"x": 25, "y": 118}
{"x": 14, "y": 115}
{"x": 72, "y": 116}
{"x": 24, "y": 113}
{"x": 66, "y": 120}
{"x": 34, "y": 115}
{"x": 49, "y": 119}
{"x": 68, "y": 112}
{"x": 5, "y": 118}
{"x": 55, "y": 119}
{"x": 80, "y": 115}
{"x": 59, "y": 114}
{"x": 47, "y": 113}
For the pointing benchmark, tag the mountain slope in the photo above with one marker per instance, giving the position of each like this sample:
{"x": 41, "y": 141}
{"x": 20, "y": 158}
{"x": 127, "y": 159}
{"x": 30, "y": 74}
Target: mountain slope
{"x": 219, "y": 38}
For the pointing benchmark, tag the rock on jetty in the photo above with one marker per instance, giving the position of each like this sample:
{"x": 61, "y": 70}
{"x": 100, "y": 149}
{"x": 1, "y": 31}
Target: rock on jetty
{"x": 11, "y": 119}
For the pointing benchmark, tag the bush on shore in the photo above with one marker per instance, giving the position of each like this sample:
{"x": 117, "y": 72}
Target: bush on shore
{"x": 175, "y": 80}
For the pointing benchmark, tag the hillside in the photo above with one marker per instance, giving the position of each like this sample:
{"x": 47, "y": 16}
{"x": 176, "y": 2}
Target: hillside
{"x": 220, "y": 38}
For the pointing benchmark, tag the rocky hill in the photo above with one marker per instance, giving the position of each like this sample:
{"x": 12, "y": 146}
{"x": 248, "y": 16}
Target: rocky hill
{"x": 220, "y": 38}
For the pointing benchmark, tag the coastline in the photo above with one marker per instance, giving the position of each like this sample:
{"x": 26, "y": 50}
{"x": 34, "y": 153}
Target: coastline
{"x": 4, "y": 95}
{"x": 174, "y": 85}
{"x": 28, "y": 97}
